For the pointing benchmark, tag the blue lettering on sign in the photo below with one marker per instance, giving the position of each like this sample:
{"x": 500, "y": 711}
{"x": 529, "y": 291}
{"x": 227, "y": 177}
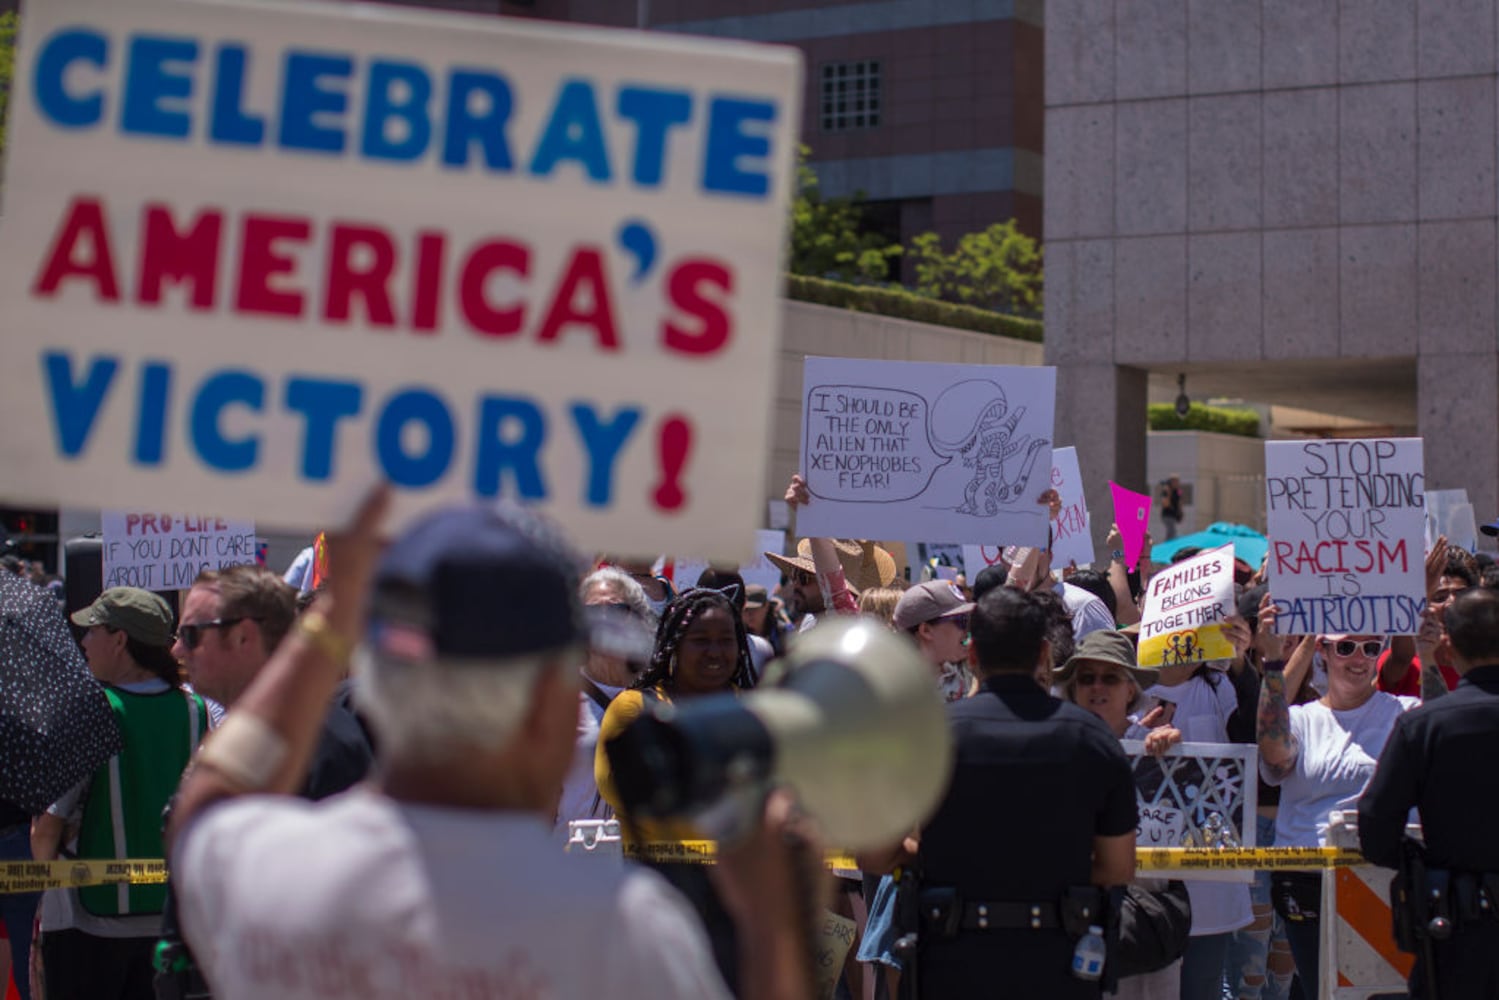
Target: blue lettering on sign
{"x": 323, "y": 404}
{"x": 511, "y": 433}
{"x": 230, "y": 122}
{"x": 54, "y": 60}
{"x": 216, "y": 394}
{"x": 654, "y": 112}
{"x": 574, "y": 133}
{"x": 306, "y": 103}
{"x": 413, "y": 432}
{"x": 427, "y": 409}
{"x": 151, "y": 421}
{"x": 478, "y": 108}
{"x": 151, "y": 81}
{"x": 387, "y": 110}
{"x": 408, "y": 112}
{"x": 75, "y": 405}
{"x": 728, "y": 143}
{"x": 603, "y": 442}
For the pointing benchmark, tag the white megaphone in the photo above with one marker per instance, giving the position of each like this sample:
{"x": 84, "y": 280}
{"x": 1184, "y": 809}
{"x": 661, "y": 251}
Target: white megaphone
{"x": 851, "y": 721}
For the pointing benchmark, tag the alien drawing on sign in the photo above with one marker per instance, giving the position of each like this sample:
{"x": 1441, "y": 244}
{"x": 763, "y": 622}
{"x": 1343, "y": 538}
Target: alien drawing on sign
{"x": 973, "y": 420}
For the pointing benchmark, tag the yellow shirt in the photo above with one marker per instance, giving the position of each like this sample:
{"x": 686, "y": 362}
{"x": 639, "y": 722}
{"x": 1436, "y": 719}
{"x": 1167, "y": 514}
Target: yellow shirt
{"x": 623, "y": 710}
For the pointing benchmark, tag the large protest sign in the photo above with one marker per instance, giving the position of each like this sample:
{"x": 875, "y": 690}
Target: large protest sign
{"x": 1347, "y": 523}
{"x": 903, "y": 449}
{"x": 1196, "y": 795}
{"x": 257, "y": 257}
{"x": 166, "y": 551}
{"x": 1185, "y": 605}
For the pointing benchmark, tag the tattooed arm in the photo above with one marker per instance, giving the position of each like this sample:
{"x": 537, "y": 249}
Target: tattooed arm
{"x": 1278, "y": 749}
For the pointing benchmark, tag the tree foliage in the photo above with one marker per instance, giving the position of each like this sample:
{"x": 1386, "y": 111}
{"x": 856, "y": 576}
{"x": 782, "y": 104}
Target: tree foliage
{"x": 7, "y": 67}
{"x": 998, "y": 268}
{"x": 826, "y": 238}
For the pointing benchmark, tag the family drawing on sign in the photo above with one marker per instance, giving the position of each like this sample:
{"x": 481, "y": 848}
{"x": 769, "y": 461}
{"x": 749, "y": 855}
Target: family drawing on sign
{"x": 1182, "y": 647}
{"x": 973, "y": 420}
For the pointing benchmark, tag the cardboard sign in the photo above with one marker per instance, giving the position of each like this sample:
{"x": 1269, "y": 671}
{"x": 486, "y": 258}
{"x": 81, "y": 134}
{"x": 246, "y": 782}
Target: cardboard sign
{"x": 256, "y": 258}
{"x": 1132, "y": 515}
{"x": 1196, "y": 795}
{"x": 835, "y": 936}
{"x": 903, "y": 449}
{"x": 1449, "y": 514}
{"x": 1071, "y": 534}
{"x": 156, "y": 550}
{"x": 1347, "y": 525}
{"x": 1185, "y": 605}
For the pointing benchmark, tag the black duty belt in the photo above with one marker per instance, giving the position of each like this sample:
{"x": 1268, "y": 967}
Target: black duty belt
{"x": 1010, "y": 916}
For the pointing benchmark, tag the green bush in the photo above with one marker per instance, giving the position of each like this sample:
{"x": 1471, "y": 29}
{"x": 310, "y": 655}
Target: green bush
{"x": 901, "y": 304}
{"x": 1218, "y": 419}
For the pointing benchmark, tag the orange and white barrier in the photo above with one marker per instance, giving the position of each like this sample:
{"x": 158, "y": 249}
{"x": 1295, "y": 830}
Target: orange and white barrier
{"x": 1359, "y": 956}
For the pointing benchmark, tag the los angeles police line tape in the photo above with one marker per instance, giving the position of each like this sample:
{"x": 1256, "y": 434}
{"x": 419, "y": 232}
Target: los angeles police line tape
{"x": 35, "y": 876}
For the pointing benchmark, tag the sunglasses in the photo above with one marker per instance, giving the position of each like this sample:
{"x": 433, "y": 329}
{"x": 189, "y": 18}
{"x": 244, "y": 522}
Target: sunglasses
{"x": 1347, "y": 647}
{"x": 802, "y": 578}
{"x": 1107, "y": 679}
{"x": 192, "y": 635}
{"x": 959, "y": 620}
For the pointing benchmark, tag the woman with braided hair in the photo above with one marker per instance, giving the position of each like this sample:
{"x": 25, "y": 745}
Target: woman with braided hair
{"x": 701, "y": 648}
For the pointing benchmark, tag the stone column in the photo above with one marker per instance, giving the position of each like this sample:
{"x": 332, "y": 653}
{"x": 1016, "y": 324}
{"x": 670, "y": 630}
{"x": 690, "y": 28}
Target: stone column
{"x": 1101, "y": 412}
{"x": 1457, "y": 404}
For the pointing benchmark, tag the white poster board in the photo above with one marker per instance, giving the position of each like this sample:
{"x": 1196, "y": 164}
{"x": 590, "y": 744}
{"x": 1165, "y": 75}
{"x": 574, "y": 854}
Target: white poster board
{"x": 760, "y": 569}
{"x": 160, "y": 550}
{"x": 905, "y": 449}
{"x": 1347, "y": 525}
{"x": 1071, "y": 532}
{"x": 1449, "y": 514}
{"x": 977, "y": 558}
{"x": 256, "y": 257}
{"x": 1185, "y": 605}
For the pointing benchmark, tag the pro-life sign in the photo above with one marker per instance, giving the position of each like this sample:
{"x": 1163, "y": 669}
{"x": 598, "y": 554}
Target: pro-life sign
{"x": 256, "y": 257}
{"x": 159, "y": 550}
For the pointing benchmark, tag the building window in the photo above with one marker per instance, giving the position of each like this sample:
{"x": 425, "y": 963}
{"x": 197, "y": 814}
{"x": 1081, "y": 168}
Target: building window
{"x": 850, "y": 95}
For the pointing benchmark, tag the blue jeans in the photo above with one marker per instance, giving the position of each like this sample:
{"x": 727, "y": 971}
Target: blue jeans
{"x": 19, "y": 909}
{"x": 1250, "y": 947}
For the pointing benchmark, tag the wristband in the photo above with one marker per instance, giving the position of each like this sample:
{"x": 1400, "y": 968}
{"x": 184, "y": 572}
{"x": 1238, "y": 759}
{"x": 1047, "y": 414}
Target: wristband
{"x": 1274, "y": 666}
{"x": 1118, "y": 555}
{"x": 318, "y": 632}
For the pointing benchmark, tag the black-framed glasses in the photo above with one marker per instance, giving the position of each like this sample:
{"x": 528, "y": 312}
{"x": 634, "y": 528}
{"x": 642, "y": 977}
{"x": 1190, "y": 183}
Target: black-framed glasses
{"x": 192, "y": 635}
{"x": 1347, "y": 647}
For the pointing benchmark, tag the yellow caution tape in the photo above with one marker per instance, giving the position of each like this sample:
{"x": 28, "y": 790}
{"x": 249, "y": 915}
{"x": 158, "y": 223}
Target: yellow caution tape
{"x": 705, "y": 852}
{"x": 1157, "y": 859}
{"x": 35, "y": 876}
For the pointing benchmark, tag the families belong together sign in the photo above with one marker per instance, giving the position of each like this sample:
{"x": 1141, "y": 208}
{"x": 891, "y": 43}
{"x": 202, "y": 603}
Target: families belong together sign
{"x": 259, "y": 256}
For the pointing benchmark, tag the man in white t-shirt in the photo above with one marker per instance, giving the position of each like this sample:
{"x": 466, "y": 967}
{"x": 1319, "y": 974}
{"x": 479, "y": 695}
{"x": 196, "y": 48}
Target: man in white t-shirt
{"x": 442, "y": 878}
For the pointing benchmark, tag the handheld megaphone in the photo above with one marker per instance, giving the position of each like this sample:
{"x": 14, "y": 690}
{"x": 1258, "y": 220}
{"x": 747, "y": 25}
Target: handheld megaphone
{"x": 851, "y": 721}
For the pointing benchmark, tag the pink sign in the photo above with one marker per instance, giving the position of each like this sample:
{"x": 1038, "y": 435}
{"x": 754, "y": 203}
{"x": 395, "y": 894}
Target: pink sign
{"x": 1132, "y": 514}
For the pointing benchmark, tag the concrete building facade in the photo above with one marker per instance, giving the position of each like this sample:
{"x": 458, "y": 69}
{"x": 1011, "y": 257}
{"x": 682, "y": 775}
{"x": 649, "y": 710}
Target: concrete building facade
{"x": 929, "y": 111}
{"x": 1286, "y": 200}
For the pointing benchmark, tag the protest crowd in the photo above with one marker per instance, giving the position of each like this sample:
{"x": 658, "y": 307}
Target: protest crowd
{"x": 401, "y": 718}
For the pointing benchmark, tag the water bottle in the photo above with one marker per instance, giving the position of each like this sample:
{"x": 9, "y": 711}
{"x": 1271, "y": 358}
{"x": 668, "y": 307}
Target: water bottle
{"x": 1088, "y": 956}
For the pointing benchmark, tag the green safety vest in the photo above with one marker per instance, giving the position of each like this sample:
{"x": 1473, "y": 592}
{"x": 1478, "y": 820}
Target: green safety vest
{"x": 122, "y": 815}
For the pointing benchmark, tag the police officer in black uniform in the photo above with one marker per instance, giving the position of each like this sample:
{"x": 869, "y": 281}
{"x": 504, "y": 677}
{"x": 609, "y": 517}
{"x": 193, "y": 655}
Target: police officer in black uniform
{"x": 1041, "y": 814}
{"x": 1443, "y": 758}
